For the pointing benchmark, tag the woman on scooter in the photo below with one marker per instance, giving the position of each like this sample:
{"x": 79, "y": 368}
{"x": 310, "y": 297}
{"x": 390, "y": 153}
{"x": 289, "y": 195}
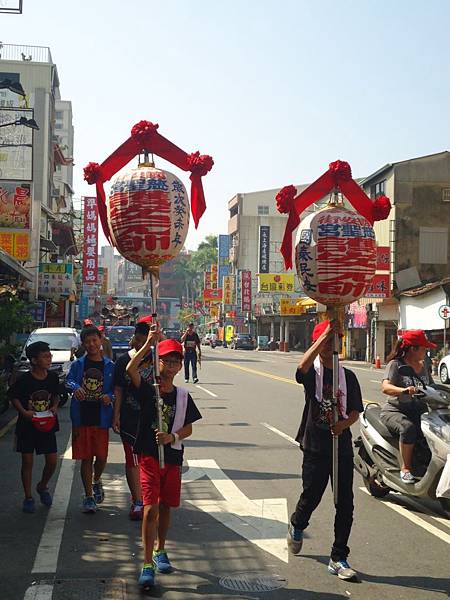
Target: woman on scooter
{"x": 401, "y": 413}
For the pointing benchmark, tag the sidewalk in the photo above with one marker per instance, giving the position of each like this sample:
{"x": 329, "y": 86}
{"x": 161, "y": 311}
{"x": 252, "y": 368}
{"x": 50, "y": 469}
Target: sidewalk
{"x": 7, "y": 420}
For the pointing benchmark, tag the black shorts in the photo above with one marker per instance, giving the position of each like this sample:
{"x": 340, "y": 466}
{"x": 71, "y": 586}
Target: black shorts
{"x": 33, "y": 441}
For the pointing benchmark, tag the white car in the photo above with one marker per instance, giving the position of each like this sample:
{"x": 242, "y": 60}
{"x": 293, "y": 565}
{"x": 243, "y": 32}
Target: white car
{"x": 444, "y": 369}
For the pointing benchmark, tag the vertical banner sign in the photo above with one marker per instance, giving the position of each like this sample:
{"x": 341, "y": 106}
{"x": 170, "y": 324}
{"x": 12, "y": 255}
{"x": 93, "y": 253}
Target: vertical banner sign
{"x": 223, "y": 258}
{"x": 90, "y": 244}
{"x": 228, "y": 289}
{"x": 264, "y": 248}
{"x": 214, "y": 276}
{"x": 246, "y": 291}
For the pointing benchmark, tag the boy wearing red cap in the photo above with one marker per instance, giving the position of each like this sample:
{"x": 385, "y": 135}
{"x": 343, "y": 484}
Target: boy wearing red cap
{"x": 160, "y": 487}
{"x": 315, "y": 436}
{"x": 401, "y": 413}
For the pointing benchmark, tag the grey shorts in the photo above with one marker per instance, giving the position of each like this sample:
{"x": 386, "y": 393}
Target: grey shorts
{"x": 405, "y": 427}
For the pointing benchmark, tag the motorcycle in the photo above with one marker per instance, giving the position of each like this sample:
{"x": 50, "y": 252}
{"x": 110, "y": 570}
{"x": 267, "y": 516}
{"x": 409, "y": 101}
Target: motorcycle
{"x": 378, "y": 457}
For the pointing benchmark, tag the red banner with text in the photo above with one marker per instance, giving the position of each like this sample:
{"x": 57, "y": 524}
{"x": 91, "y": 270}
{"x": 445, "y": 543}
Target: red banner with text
{"x": 90, "y": 243}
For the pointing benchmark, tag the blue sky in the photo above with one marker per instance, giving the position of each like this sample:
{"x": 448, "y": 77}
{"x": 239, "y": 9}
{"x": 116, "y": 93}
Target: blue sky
{"x": 273, "y": 90}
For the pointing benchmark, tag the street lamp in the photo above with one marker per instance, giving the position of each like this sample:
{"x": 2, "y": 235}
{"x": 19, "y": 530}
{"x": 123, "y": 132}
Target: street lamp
{"x": 31, "y": 123}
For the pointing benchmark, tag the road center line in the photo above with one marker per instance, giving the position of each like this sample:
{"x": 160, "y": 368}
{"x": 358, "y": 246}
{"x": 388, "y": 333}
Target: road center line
{"x": 207, "y": 391}
{"x": 270, "y": 376}
{"x": 46, "y": 559}
{"x": 445, "y": 537}
{"x": 280, "y": 433}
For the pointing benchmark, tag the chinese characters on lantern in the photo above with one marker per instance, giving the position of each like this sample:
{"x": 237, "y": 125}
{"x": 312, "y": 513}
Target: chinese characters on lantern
{"x": 246, "y": 291}
{"x": 90, "y": 244}
{"x": 148, "y": 215}
{"x": 336, "y": 256}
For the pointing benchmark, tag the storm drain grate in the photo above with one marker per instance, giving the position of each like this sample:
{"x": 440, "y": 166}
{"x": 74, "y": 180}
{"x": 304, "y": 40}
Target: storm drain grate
{"x": 88, "y": 589}
{"x": 257, "y": 581}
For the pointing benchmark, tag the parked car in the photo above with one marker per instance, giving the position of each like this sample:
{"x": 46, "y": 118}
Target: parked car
{"x": 172, "y": 334}
{"x": 63, "y": 342}
{"x": 444, "y": 369}
{"x": 242, "y": 341}
{"x": 206, "y": 340}
{"x": 120, "y": 337}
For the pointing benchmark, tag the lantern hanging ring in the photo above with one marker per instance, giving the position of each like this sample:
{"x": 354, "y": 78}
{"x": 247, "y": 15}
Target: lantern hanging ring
{"x": 146, "y": 162}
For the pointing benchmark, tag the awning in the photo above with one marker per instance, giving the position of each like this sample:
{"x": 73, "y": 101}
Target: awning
{"x": 47, "y": 245}
{"x": 12, "y": 267}
{"x": 306, "y": 302}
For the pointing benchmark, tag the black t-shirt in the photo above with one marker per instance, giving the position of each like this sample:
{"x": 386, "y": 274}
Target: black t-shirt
{"x": 314, "y": 434}
{"x": 190, "y": 343}
{"x": 34, "y": 394}
{"x": 92, "y": 384}
{"x": 146, "y": 438}
{"x": 130, "y": 407}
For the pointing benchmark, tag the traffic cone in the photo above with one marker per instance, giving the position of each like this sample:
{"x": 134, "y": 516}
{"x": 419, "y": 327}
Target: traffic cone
{"x": 377, "y": 363}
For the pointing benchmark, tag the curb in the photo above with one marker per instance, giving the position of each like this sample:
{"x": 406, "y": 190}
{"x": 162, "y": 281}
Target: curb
{"x": 4, "y": 430}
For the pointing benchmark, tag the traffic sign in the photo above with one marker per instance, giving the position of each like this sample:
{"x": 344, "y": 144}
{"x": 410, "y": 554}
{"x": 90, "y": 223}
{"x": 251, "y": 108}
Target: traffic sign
{"x": 444, "y": 311}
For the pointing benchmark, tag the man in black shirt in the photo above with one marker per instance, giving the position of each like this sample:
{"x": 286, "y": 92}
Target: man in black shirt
{"x": 315, "y": 436}
{"x": 160, "y": 487}
{"x": 191, "y": 343}
{"x": 34, "y": 393}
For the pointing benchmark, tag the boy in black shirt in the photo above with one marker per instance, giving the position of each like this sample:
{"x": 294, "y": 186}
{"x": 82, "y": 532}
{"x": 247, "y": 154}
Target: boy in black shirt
{"x": 36, "y": 392}
{"x": 160, "y": 487}
{"x": 127, "y": 410}
{"x": 315, "y": 436}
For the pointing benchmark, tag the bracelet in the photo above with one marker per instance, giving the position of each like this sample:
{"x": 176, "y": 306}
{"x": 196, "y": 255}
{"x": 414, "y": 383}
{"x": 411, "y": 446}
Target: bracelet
{"x": 176, "y": 438}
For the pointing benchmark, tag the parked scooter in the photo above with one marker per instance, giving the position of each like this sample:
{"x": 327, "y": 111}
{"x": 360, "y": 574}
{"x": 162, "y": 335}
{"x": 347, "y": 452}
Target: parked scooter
{"x": 378, "y": 456}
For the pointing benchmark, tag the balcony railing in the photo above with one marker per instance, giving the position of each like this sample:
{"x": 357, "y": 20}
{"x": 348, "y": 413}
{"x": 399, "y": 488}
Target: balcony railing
{"x": 40, "y": 54}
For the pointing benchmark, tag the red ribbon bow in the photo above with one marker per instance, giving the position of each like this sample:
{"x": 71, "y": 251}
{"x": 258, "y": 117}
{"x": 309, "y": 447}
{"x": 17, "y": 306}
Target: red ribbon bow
{"x": 144, "y": 136}
{"x": 339, "y": 175}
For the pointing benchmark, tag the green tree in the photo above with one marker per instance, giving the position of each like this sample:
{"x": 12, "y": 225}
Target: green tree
{"x": 206, "y": 253}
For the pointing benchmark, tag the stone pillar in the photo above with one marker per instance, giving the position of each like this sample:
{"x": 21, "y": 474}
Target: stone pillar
{"x": 286, "y": 336}
{"x": 281, "y": 342}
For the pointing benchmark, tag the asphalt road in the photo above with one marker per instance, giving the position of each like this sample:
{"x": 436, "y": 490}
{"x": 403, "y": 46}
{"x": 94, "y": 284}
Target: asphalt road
{"x": 241, "y": 481}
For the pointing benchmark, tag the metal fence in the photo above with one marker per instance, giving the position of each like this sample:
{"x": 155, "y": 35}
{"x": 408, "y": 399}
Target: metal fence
{"x": 40, "y": 54}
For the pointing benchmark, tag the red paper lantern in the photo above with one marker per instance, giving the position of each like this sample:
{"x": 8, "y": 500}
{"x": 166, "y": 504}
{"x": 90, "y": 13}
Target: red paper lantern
{"x": 148, "y": 216}
{"x": 335, "y": 255}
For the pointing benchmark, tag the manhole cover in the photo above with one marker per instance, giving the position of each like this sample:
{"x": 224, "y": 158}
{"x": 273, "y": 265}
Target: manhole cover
{"x": 252, "y": 582}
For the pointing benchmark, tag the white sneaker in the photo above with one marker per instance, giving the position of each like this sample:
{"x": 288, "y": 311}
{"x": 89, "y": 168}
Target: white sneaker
{"x": 407, "y": 477}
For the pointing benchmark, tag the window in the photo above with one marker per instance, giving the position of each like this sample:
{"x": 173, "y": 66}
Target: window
{"x": 433, "y": 245}
{"x": 58, "y": 125}
{"x": 59, "y": 115}
{"x": 378, "y": 189}
{"x": 446, "y": 194}
{"x": 262, "y": 211}
{"x": 234, "y": 211}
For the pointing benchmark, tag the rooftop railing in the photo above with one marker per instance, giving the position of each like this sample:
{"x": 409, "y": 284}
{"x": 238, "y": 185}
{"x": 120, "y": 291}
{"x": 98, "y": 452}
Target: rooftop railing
{"x": 20, "y": 52}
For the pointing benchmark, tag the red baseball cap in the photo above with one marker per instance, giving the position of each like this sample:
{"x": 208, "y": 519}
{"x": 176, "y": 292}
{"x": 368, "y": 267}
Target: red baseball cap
{"x": 87, "y": 323}
{"x": 319, "y": 329}
{"x": 415, "y": 337}
{"x": 101, "y": 328}
{"x": 168, "y": 346}
{"x": 146, "y": 319}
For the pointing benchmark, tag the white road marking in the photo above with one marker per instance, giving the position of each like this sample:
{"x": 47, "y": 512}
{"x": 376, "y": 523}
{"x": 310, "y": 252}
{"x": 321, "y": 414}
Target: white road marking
{"x": 39, "y": 592}
{"x": 280, "y": 433}
{"x": 412, "y": 502}
{"x": 207, "y": 391}
{"x": 46, "y": 559}
{"x": 445, "y": 537}
{"x": 261, "y": 522}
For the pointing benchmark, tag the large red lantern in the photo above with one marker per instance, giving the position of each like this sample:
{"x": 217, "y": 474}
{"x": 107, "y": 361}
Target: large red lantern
{"x": 148, "y": 216}
{"x": 335, "y": 255}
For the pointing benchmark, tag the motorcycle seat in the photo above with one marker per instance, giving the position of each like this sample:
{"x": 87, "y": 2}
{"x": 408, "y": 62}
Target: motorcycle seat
{"x": 372, "y": 415}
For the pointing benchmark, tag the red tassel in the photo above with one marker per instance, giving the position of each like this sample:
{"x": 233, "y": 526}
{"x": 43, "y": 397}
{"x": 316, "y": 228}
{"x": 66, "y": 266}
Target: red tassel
{"x": 285, "y": 199}
{"x": 92, "y": 172}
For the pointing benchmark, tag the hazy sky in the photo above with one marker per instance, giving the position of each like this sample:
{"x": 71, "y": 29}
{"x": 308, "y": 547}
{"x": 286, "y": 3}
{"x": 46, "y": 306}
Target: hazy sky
{"x": 273, "y": 90}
